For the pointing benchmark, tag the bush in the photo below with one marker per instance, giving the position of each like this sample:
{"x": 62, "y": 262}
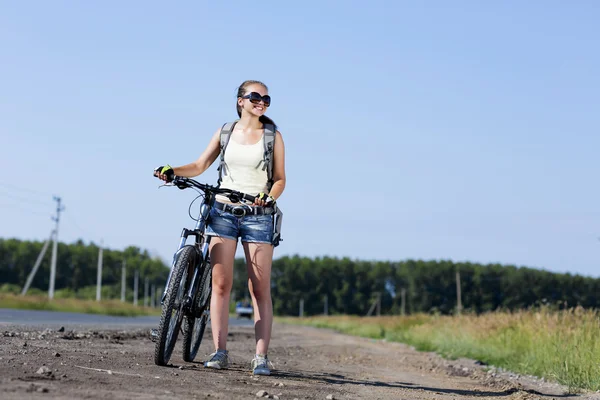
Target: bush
{"x": 10, "y": 288}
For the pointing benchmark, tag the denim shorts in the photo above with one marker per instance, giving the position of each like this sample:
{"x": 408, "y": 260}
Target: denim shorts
{"x": 250, "y": 228}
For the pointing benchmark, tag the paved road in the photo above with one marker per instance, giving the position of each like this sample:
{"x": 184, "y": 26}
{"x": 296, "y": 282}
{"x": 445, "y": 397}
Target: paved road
{"x": 53, "y": 319}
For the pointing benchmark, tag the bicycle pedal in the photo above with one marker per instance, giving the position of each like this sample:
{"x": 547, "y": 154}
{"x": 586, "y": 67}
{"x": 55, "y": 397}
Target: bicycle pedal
{"x": 154, "y": 335}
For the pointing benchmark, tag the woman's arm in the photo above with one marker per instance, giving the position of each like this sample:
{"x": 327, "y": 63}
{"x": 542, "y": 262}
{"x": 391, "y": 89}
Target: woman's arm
{"x": 278, "y": 167}
{"x": 205, "y": 160}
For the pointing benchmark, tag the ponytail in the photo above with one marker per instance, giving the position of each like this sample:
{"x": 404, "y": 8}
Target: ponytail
{"x": 266, "y": 120}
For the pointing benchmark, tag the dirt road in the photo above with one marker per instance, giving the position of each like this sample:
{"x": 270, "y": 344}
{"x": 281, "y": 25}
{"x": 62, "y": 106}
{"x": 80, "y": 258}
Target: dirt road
{"x": 309, "y": 364}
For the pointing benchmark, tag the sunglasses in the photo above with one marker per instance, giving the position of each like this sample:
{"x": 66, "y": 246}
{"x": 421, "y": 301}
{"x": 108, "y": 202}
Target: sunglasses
{"x": 255, "y": 98}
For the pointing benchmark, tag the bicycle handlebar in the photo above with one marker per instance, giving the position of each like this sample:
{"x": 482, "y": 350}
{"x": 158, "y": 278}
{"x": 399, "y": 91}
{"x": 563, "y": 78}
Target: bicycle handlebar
{"x": 233, "y": 195}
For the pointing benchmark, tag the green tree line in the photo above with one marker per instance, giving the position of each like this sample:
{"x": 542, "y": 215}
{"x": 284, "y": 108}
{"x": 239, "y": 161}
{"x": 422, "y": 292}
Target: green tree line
{"x": 350, "y": 286}
{"x": 76, "y": 268}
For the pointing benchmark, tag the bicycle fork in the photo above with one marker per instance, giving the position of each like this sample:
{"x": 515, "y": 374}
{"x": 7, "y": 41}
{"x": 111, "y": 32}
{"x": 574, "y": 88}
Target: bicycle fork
{"x": 202, "y": 253}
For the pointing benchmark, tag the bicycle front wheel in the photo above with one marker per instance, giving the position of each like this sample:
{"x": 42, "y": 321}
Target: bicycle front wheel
{"x": 172, "y": 308}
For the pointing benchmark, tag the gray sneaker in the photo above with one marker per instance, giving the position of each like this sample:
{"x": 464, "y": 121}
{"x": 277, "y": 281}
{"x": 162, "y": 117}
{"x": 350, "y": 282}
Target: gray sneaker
{"x": 261, "y": 365}
{"x": 218, "y": 360}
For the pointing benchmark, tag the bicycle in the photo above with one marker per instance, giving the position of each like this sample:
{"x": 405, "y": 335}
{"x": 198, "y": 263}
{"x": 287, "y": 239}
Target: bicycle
{"x": 186, "y": 298}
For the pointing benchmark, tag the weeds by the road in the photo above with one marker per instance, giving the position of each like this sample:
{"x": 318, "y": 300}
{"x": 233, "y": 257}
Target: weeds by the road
{"x": 563, "y": 346}
{"x": 106, "y": 307}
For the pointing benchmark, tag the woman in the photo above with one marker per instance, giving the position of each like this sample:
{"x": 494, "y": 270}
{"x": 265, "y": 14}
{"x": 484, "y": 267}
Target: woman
{"x": 240, "y": 170}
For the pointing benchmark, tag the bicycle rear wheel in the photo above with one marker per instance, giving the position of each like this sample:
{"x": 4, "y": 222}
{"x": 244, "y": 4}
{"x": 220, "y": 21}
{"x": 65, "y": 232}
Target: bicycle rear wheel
{"x": 192, "y": 336}
{"x": 194, "y": 327}
{"x": 172, "y": 308}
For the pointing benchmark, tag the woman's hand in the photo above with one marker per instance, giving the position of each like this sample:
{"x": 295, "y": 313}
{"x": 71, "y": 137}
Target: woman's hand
{"x": 263, "y": 200}
{"x": 164, "y": 173}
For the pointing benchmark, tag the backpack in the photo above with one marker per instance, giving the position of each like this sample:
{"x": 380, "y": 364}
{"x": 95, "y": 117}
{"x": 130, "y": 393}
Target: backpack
{"x": 267, "y": 161}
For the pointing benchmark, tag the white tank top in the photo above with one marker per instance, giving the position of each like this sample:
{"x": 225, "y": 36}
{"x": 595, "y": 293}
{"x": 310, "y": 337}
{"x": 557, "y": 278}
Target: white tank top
{"x": 244, "y": 168}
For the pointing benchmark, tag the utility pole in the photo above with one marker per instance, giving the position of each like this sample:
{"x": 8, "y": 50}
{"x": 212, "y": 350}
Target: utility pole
{"x": 123, "y": 282}
{"x": 146, "y": 283}
{"x": 326, "y": 305}
{"x": 135, "y": 287}
{"x": 158, "y": 295}
{"x": 403, "y": 304}
{"x": 301, "y": 308}
{"x": 36, "y": 265}
{"x": 458, "y": 297}
{"x": 376, "y": 306}
{"x": 59, "y": 209}
{"x": 152, "y": 295}
{"x": 99, "y": 276}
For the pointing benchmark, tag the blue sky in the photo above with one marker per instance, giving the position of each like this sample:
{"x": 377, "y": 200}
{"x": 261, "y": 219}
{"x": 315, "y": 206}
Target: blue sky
{"x": 459, "y": 130}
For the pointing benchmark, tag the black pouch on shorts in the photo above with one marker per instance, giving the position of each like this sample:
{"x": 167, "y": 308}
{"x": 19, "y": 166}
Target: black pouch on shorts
{"x": 277, "y": 218}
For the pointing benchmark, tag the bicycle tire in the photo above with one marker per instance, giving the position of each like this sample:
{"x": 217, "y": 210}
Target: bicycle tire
{"x": 195, "y": 325}
{"x": 168, "y": 329}
{"x": 193, "y": 333}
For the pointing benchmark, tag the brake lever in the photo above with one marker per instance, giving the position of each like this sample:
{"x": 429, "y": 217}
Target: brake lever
{"x": 179, "y": 186}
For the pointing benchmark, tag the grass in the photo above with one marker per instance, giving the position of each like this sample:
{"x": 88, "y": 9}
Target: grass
{"x": 106, "y": 307}
{"x": 562, "y": 346}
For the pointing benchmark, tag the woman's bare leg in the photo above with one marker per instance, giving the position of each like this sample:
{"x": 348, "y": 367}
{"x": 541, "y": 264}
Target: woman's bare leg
{"x": 259, "y": 258}
{"x": 222, "y": 254}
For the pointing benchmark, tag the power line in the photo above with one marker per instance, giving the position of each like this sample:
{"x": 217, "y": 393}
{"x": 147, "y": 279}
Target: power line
{"x": 11, "y": 186}
{"x": 70, "y": 220}
{"x": 24, "y": 199}
{"x": 16, "y": 206}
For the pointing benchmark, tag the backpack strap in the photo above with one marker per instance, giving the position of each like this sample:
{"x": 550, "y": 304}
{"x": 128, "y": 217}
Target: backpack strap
{"x": 224, "y": 140}
{"x": 269, "y": 151}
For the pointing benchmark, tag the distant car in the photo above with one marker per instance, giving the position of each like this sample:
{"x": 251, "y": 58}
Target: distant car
{"x": 243, "y": 309}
